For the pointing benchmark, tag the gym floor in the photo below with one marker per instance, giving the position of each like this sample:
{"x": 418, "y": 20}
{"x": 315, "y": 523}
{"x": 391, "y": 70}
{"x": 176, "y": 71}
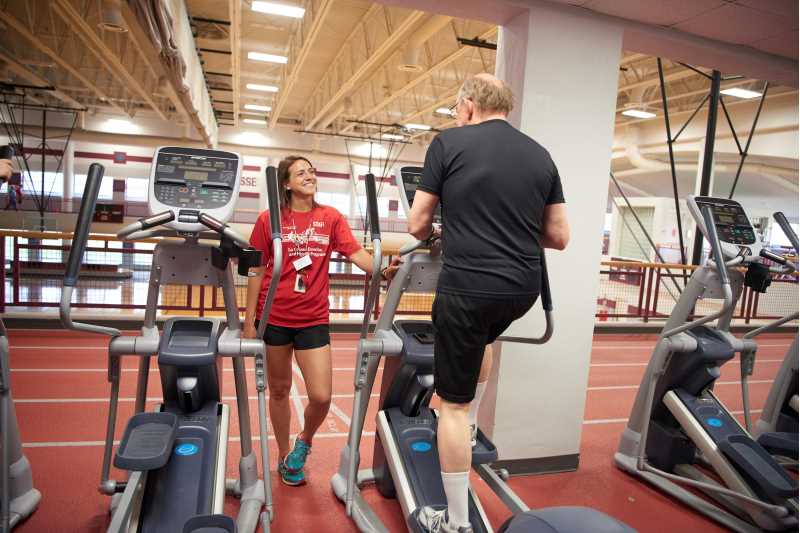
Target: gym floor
{"x": 60, "y": 391}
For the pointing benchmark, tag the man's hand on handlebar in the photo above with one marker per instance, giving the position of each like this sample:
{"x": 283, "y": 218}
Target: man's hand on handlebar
{"x": 390, "y": 271}
{"x": 6, "y": 169}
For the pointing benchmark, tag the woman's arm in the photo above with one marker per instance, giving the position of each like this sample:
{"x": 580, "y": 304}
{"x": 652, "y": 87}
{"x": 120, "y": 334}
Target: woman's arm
{"x": 363, "y": 260}
{"x": 253, "y": 292}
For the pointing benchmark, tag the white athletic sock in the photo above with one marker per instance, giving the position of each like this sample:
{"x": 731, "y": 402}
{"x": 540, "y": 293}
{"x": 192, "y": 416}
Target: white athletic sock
{"x": 476, "y": 403}
{"x": 456, "y": 487}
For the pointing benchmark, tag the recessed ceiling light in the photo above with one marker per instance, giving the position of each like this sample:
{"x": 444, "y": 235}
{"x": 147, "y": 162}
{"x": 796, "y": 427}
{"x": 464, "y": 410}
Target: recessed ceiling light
{"x": 284, "y": 10}
{"x": 121, "y": 122}
{"x": 422, "y": 127}
{"x": 263, "y": 88}
{"x": 392, "y": 136}
{"x": 256, "y": 107}
{"x": 638, "y": 113}
{"x": 267, "y": 58}
{"x": 740, "y": 93}
{"x": 254, "y": 121}
{"x": 444, "y": 111}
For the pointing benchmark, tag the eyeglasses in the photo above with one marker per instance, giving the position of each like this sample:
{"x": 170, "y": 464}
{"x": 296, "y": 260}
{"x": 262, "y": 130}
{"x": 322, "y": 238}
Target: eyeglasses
{"x": 302, "y": 173}
{"x": 453, "y": 107}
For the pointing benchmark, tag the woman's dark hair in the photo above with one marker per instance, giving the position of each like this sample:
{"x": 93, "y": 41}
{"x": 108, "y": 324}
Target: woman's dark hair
{"x": 283, "y": 177}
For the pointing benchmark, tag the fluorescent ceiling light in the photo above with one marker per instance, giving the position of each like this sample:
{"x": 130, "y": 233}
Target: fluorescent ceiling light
{"x": 370, "y": 150}
{"x": 278, "y": 9}
{"x": 120, "y": 122}
{"x": 254, "y": 121}
{"x": 422, "y": 127}
{"x": 638, "y": 113}
{"x": 268, "y": 58}
{"x": 256, "y": 107}
{"x": 392, "y": 136}
{"x": 740, "y": 93}
{"x": 444, "y": 111}
{"x": 121, "y": 125}
{"x": 253, "y": 138}
{"x": 263, "y": 88}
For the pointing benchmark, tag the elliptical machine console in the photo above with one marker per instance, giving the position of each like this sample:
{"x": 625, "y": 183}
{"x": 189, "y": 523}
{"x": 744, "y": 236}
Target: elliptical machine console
{"x": 177, "y": 456}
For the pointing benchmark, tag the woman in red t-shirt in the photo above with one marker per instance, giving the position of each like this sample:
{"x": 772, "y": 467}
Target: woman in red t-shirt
{"x": 298, "y": 320}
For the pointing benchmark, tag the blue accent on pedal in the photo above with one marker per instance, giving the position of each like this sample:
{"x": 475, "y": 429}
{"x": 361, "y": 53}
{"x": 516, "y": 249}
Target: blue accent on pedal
{"x": 186, "y": 449}
{"x": 714, "y": 422}
{"x": 421, "y": 446}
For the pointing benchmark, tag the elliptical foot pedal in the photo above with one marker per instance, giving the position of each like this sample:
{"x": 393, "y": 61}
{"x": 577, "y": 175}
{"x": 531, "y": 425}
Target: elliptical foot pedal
{"x": 147, "y": 441}
{"x": 779, "y": 443}
{"x": 212, "y": 523}
{"x": 484, "y": 451}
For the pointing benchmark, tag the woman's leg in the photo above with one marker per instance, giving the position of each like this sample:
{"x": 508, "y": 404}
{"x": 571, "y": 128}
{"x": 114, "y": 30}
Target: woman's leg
{"x": 279, "y": 384}
{"x": 315, "y": 364}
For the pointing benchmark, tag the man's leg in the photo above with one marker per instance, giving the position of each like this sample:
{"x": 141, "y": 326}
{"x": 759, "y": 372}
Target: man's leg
{"x": 455, "y": 456}
{"x": 474, "y": 406}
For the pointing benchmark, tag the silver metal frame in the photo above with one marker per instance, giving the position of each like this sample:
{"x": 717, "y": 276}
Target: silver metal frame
{"x": 191, "y": 265}
{"x": 738, "y": 507}
{"x": 18, "y": 497}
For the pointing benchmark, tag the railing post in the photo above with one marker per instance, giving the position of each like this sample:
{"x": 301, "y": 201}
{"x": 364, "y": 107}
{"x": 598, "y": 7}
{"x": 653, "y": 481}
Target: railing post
{"x": 649, "y": 293}
{"x": 641, "y": 291}
{"x": 2, "y": 273}
{"x": 202, "y": 300}
{"x": 656, "y": 292}
{"x": 15, "y": 273}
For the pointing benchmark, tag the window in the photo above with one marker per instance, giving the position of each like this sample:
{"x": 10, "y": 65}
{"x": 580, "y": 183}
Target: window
{"x": 106, "y": 187}
{"x": 383, "y": 206}
{"x": 339, "y": 200}
{"x": 136, "y": 189}
{"x": 53, "y": 184}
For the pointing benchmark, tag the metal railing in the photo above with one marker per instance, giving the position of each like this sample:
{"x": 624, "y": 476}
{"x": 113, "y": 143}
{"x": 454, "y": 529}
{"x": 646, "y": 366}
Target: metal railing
{"x": 115, "y": 276}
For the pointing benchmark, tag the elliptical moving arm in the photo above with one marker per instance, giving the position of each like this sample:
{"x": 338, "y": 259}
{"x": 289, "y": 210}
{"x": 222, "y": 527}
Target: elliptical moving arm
{"x": 547, "y": 305}
{"x": 79, "y": 240}
{"x": 277, "y": 248}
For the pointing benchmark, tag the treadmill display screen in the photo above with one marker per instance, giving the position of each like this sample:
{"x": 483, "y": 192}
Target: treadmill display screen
{"x": 195, "y": 175}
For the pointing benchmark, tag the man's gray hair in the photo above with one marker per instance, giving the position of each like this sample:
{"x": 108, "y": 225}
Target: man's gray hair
{"x": 487, "y": 96}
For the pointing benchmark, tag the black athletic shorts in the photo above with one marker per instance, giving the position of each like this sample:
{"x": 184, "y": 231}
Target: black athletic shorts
{"x": 464, "y": 326}
{"x": 302, "y": 338}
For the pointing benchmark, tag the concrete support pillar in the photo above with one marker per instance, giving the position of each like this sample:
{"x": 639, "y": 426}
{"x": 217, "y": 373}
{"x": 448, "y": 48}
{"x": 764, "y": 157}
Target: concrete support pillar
{"x": 563, "y": 69}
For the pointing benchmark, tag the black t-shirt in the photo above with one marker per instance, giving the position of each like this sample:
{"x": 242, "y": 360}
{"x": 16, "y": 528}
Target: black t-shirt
{"x": 493, "y": 182}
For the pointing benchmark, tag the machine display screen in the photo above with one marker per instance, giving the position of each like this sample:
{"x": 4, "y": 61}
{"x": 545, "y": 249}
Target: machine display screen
{"x": 731, "y": 221}
{"x": 411, "y": 180}
{"x": 194, "y": 175}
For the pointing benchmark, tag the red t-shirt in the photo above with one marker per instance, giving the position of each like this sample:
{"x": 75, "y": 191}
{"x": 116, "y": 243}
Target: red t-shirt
{"x": 316, "y": 233}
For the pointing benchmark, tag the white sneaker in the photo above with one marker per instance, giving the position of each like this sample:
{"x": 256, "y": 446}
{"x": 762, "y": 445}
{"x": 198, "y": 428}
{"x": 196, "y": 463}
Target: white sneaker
{"x": 436, "y": 521}
{"x": 473, "y": 434}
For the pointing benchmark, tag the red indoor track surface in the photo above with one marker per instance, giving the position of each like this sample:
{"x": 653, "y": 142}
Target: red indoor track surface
{"x": 60, "y": 391}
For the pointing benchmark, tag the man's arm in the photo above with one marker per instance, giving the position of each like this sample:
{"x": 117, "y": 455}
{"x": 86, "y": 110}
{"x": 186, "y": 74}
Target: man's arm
{"x": 555, "y": 227}
{"x": 420, "y": 220}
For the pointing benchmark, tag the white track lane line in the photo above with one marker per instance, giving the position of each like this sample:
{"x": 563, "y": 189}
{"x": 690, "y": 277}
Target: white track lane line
{"x": 645, "y": 364}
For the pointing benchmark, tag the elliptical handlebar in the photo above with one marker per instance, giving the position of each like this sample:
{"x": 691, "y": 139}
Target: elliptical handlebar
{"x": 79, "y": 239}
{"x": 782, "y": 221}
{"x": 377, "y": 252}
{"x": 722, "y": 270}
{"x": 273, "y": 204}
{"x": 547, "y": 305}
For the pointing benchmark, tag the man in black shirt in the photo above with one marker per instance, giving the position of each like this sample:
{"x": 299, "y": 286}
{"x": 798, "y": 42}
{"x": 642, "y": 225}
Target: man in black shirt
{"x": 501, "y": 204}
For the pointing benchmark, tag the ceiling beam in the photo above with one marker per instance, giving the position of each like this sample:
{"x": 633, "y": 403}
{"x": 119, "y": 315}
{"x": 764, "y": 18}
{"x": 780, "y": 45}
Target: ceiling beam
{"x": 296, "y": 63}
{"x": 21, "y": 70}
{"x": 377, "y": 57}
{"x": 235, "y": 33}
{"x": 20, "y": 28}
{"x": 458, "y": 54}
{"x": 683, "y": 73}
{"x": 97, "y": 46}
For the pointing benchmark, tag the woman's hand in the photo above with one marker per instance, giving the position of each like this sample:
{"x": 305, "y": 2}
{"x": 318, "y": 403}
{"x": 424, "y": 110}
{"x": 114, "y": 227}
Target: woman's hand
{"x": 249, "y": 331}
{"x": 390, "y": 271}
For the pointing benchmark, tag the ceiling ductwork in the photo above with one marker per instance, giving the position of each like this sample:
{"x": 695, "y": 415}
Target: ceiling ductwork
{"x": 411, "y": 53}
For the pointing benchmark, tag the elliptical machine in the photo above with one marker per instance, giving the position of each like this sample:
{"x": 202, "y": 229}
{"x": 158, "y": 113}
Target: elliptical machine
{"x": 176, "y": 456}
{"x": 18, "y": 497}
{"x": 679, "y": 433}
{"x": 777, "y": 428}
{"x": 405, "y": 457}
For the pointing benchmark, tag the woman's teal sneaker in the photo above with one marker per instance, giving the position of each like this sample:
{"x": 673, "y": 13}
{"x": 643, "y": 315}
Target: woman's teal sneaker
{"x": 291, "y": 478}
{"x": 296, "y": 459}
